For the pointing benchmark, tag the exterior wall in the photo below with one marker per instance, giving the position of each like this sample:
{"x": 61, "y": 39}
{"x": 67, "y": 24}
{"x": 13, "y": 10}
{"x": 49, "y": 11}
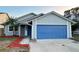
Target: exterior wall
{"x": 9, "y": 33}
{"x": 50, "y": 19}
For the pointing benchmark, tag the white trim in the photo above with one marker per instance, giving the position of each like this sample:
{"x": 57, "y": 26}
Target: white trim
{"x": 70, "y": 31}
{"x": 34, "y": 30}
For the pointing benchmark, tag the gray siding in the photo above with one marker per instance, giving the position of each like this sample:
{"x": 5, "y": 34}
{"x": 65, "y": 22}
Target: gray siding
{"x": 9, "y": 33}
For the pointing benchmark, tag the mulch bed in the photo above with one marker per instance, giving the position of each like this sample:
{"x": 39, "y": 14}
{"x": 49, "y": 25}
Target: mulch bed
{"x": 16, "y": 43}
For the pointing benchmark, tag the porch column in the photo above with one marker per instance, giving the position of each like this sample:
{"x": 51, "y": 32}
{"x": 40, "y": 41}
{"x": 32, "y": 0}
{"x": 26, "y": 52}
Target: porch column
{"x": 19, "y": 29}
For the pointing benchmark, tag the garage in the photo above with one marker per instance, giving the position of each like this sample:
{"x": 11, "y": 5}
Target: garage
{"x": 51, "y": 26}
{"x": 51, "y": 31}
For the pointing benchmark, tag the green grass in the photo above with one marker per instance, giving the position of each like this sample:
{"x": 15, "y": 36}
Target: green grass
{"x": 5, "y": 39}
{"x": 76, "y": 37}
{"x": 6, "y": 42}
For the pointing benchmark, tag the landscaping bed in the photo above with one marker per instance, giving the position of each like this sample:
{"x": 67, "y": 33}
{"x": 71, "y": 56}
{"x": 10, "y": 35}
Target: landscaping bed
{"x": 11, "y": 44}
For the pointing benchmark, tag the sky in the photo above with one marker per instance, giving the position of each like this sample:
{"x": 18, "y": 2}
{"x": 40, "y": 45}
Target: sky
{"x": 16, "y": 11}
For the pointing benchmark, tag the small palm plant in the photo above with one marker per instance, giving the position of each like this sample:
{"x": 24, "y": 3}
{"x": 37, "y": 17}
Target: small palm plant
{"x": 13, "y": 23}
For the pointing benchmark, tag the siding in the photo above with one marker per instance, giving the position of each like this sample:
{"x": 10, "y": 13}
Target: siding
{"x": 9, "y": 33}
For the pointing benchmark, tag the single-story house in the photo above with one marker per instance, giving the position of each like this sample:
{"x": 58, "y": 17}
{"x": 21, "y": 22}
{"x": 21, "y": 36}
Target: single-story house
{"x": 42, "y": 26}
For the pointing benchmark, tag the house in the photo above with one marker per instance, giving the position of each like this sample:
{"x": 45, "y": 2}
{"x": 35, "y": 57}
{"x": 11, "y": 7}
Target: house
{"x": 42, "y": 26}
{"x": 3, "y": 18}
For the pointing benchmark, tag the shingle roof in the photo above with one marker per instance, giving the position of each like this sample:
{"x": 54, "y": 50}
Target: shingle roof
{"x": 29, "y": 19}
{"x": 25, "y": 18}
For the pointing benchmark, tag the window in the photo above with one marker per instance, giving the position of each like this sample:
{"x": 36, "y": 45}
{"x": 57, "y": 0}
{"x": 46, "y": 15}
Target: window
{"x": 11, "y": 28}
{"x": 16, "y": 28}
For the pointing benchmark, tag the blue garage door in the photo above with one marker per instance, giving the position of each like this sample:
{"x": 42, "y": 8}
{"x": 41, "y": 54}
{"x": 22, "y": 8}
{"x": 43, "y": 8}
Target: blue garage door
{"x": 51, "y": 31}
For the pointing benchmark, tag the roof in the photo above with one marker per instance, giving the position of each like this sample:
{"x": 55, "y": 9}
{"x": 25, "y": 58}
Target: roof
{"x": 31, "y": 16}
{"x": 26, "y": 15}
{"x": 24, "y": 20}
{"x": 64, "y": 18}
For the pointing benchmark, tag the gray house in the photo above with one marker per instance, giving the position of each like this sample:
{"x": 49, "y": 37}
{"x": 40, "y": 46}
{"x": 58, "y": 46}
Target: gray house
{"x": 24, "y": 27}
{"x": 42, "y": 26}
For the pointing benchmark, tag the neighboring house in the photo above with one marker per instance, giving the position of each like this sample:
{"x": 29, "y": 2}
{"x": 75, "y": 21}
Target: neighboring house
{"x": 3, "y": 18}
{"x": 73, "y": 14}
{"x": 43, "y": 26}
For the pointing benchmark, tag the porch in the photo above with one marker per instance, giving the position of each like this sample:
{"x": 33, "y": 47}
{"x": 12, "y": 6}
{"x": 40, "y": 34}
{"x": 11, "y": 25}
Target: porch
{"x": 24, "y": 31}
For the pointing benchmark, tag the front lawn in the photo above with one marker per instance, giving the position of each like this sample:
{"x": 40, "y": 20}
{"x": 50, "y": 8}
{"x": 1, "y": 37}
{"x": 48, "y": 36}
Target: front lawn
{"x": 76, "y": 37}
{"x": 6, "y": 41}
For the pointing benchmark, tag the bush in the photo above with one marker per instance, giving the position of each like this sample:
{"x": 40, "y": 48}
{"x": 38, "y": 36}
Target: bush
{"x": 75, "y": 26}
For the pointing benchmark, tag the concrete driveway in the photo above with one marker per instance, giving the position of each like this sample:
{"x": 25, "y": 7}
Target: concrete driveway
{"x": 51, "y": 46}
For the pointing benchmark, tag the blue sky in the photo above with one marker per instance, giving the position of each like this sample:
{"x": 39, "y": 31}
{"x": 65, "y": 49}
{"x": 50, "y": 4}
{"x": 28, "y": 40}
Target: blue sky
{"x": 16, "y": 11}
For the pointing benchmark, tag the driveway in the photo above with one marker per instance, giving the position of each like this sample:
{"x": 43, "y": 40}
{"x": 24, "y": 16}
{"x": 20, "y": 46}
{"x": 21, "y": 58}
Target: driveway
{"x": 51, "y": 46}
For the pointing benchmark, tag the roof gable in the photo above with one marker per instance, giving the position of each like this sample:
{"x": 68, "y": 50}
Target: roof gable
{"x": 64, "y": 18}
{"x": 25, "y": 17}
{"x": 58, "y": 15}
{"x": 29, "y": 19}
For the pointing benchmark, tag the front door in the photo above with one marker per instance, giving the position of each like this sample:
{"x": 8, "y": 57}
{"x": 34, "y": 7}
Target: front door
{"x": 29, "y": 31}
{"x": 22, "y": 33}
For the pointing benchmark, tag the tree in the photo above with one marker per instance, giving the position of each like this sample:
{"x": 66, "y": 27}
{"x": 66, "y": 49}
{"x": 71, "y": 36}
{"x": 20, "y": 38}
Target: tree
{"x": 75, "y": 26}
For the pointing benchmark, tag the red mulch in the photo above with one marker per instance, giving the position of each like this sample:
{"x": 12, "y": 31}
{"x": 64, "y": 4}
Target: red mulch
{"x": 15, "y": 43}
